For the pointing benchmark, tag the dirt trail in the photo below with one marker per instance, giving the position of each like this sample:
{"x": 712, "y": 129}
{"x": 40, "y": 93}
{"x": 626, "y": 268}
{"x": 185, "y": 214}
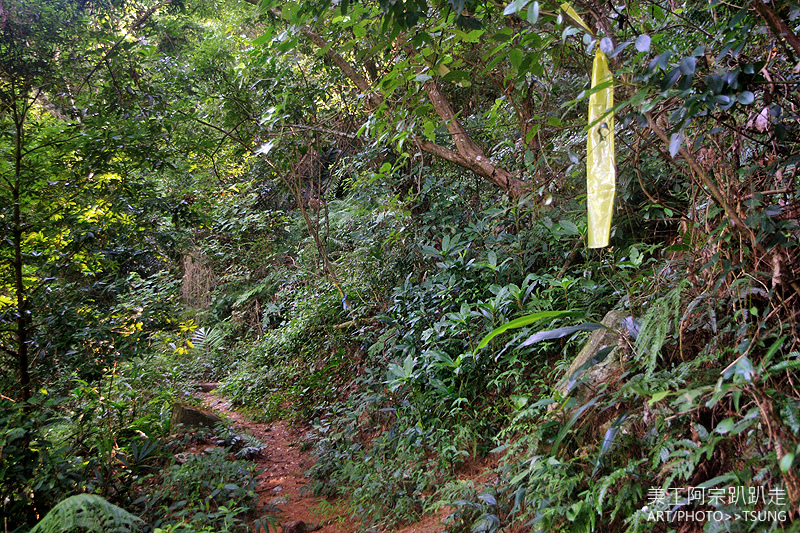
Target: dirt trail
{"x": 282, "y": 480}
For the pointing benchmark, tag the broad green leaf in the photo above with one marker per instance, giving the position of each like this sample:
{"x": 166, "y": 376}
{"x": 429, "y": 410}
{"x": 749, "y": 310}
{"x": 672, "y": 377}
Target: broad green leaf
{"x": 786, "y": 462}
{"x": 670, "y": 79}
{"x": 519, "y": 477}
{"x": 526, "y": 321}
{"x": 532, "y": 133}
{"x": 258, "y": 41}
{"x": 457, "y": 76}
{"x": 726, "y": 426}
{"x": 746, "y": 98}
{"x": 487, "y": 498}
{"x": 542, "y": 403}
{"x": 528, "y": 158}
{"x": 430, "y": 129}
{"x": 657, "y": 397}
{"x": 569, "y": 227}
{"x": 533, "y": 13}
{"x": 688, "y": 65}
{"x": 491, "y": 258}
{"x": 515, "y": 56}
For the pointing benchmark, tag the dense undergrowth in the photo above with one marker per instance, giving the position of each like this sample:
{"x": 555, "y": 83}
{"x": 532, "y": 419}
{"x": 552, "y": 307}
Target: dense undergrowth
{"x": 397, "y": 396}
{"x": 224, "y": 203}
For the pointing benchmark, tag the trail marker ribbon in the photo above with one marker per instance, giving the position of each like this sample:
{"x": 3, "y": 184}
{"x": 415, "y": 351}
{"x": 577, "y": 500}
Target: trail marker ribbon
{"x": 601, "y": 174}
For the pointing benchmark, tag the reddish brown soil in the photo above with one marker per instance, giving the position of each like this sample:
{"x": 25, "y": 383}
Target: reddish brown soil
{"x": 280, "y": 485}
{"x": 282, "y": 481}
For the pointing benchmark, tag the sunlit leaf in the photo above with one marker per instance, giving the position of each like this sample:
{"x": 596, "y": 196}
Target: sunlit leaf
{"x": 642, "y": 43}
{"x": 558, "y": 333}
{"x": 526, "y": 321}
{"x": 675, "y": 141}
{"x": 533, "y": 13}
{"x": 514, "y": 7}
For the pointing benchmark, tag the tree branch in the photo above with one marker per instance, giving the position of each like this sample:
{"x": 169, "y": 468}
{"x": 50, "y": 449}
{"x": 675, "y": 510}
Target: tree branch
{"x": 141, "y": 20}
{"x": 473, "y": 157}
{"x": 373, "y": 98}
{"x": 469, "y": 155}
{"x": 321, "y": 129}
{"x": 716, "y": 193}
{"x": 776, "y": 25}
{"x": 228, "y": 134}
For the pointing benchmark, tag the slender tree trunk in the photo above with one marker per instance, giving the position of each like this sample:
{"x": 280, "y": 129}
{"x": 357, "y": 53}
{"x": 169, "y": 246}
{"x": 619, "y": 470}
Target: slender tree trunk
{"x": 23, "y": 313}
{"x": 777, "y": 26}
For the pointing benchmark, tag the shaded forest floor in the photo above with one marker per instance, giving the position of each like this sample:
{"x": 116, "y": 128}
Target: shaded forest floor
{"x": 282, "y": 483}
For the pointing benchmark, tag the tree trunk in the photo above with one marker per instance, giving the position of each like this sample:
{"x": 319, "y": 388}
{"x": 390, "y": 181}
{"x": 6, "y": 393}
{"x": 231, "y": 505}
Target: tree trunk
{"x": 23, "y": 313}
{"x": 777, "y": 26}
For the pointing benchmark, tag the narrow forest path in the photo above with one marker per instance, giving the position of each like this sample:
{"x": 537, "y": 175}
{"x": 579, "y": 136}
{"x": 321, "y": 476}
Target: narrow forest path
{"x": 281, "y": 483}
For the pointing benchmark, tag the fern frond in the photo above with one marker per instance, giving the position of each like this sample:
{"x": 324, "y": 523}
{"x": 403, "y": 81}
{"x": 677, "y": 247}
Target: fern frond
{"x": 208, "y": 340}
{"x": 662, "y": 317}
{"x": 87, "y": 512}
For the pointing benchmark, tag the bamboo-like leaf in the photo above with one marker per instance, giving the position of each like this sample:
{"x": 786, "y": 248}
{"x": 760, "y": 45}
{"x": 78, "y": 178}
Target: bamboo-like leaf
{"x": 526, "y": 321}
{"x": 558, "y": 333}
{"x": 564, "y": 430}
{"x": 608, "y": 439}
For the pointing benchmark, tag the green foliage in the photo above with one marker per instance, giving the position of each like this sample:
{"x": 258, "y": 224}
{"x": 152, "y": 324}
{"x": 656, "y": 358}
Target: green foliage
{"x": 208, "y": 491}
{"x": 353, "y": 279}
{"x": 385, "y": 479}
{"x": 87, "y": 512}
{"x": 660, "y": 318}
{"x": 116, "y": 422}
{"x": 287, "y": 362}
{"x": 34, "y": 471}
{"x": 77, "y": 193}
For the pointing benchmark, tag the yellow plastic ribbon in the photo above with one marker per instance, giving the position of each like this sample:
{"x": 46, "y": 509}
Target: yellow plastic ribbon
{"x": 601, "y": 174}
{"x": 572, "y": 14}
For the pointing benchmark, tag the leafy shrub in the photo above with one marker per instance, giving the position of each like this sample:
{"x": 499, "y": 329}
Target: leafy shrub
{"x": 34, "y": 473}
{"x": 207, "y": 491}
